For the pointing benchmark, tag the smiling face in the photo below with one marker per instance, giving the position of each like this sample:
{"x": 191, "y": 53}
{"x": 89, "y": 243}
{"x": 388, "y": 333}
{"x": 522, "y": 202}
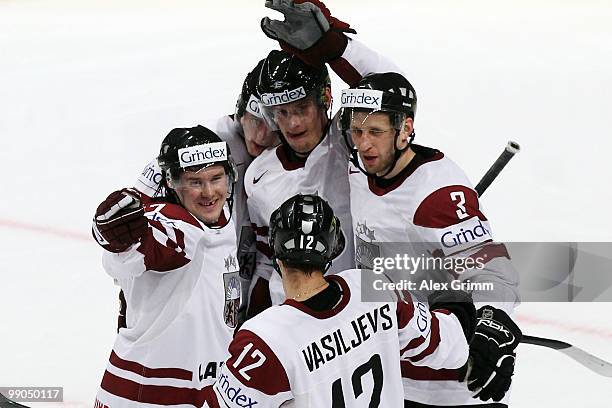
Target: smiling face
{"x": 257, "y": 136}
{"x": 203, "y": 193}
{"x": 301, "y": 122}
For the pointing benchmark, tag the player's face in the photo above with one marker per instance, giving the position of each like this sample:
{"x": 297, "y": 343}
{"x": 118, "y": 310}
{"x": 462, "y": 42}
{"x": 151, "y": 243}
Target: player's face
{"x": 373, "y": 136}
{"x": 301, "y": 123}
{"x": 203, "y": 193}
{"x": 257, "y": 136}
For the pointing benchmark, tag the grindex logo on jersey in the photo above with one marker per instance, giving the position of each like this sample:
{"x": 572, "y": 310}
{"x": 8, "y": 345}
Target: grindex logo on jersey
{"x": 272, "y": 99}
{"x": 234, "y": 394}
{"x": 462, "y": 236}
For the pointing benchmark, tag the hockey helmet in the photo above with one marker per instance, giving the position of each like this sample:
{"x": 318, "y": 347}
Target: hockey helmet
{"x": 305, "y": 232}
{"x": 248, "y": 100}
{"x": 387, "y": 92}
{"x": 284, "y": 78}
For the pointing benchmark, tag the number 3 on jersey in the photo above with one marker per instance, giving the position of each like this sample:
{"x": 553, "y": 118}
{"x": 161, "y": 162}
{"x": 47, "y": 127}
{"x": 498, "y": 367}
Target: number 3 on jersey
{"x": 374, "y": 364}
{"x": 459, "y": 198}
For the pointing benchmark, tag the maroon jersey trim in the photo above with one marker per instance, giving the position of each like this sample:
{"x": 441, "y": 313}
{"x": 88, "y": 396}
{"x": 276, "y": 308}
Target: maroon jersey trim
{"x": 422, "y": 373}
{"x": 289, "y": 165}
{"x": 157, "y": 394}
{"x": 269, "y": 378}
{"x": 434, "y": 340}
{"x": 438, "y": 210}
{"x": 325, "y": 314}
{"x": 264, "y": 249}
{"x": 137, "y": 368}
{"x": 174, "y": 212}
{"x": 414, "y": 164}
{"x": 345, "y": 70}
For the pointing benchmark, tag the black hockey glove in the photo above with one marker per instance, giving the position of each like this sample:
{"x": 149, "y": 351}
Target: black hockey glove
{"x": 119, "y": 221}
{"x": 491, "y": 363}
{"x": 458, "y": 303}
{"x": 308, "y": 31}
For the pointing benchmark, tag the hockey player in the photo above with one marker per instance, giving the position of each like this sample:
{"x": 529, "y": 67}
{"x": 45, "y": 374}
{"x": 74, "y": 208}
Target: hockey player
{"x": 248, "y": 136}
{"x": 424, "y": 197}
{"x": 430, "y": 204}
{"x": 323, "y": 347}
{"x": 175, "y": 260}
{"x": 257, "y": 136}
{"x": 295, "y": 101}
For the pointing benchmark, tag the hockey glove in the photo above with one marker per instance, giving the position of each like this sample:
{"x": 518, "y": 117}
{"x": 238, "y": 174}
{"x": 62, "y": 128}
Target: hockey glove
{"x": 491, "y": 362}
{"x": 458, "y": 303}
{"x": 309, "y": 31}
{"x": 119, "y": 222}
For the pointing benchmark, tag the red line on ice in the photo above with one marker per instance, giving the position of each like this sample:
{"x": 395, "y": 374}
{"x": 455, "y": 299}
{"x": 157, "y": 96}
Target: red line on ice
{"x": 591, "y": 331}
{"x": 77, "y": 236}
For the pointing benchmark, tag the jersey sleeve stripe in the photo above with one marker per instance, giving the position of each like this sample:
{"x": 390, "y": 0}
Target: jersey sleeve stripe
{"x": 405, "y": 313}
{"x": 264, "y": 249}
{"x": 434, "y": 340}
{"x": 261, "y": 231}
{"x": 156, "y": 394}
{"x": 137, "y": 368}
{"x": 424, "y": 373}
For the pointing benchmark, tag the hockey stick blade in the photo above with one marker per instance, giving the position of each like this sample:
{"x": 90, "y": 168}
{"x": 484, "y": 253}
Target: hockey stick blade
{"x": 588, "y": 360}
{"x": 511, "y": 149}
{"x": 7, "y": 403}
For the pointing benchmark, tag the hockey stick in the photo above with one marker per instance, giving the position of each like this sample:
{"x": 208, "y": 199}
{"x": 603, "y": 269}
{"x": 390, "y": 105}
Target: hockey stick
{"x": 7, "y": 403}
{"x": 588, "y": 360}
{"x": 511, "y": 149}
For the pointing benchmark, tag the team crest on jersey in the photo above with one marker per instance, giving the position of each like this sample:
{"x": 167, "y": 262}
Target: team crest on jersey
{"x": 231, "y": 263}
{"x": 366, "y": 250}
{"x": 363, "y": 231}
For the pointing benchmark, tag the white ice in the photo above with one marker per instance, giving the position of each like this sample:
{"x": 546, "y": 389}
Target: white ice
{"x": 89, "y": 88}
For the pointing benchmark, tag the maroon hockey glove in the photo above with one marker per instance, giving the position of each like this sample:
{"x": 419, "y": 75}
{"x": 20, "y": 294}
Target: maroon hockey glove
{"x": 309, "y": 31}
{"x": 119, "y": 221}
{"x": 491, "y": 363}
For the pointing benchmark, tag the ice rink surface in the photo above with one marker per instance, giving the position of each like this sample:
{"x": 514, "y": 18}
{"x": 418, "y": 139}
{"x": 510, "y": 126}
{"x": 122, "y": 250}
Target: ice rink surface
{"x": 89, "y": 88}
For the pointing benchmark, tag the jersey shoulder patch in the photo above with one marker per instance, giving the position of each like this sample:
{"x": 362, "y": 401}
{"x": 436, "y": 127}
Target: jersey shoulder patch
{"x": 448, "y": 206}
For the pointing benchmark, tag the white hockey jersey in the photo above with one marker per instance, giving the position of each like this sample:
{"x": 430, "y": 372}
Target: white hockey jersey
{"x": 431, "y": 209}
{"x": 272, "y": 178}
{"x": 183, "y": 292}
{"x": 229, "y": 131}
{"x": 293, "y": 356}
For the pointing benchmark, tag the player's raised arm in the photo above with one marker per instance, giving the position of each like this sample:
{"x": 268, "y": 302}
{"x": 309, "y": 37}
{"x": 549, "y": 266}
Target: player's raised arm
{"x": 311, "y": 33}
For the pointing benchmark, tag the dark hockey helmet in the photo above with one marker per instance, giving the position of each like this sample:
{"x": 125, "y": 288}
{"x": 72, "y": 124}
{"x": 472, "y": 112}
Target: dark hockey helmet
{"x": 387, "y": 92}
{"x": 248, "y": 100}
{"x": 305, "y": 232}
{"x": 194, "y": 149}
{"x": 284, "y": 78}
